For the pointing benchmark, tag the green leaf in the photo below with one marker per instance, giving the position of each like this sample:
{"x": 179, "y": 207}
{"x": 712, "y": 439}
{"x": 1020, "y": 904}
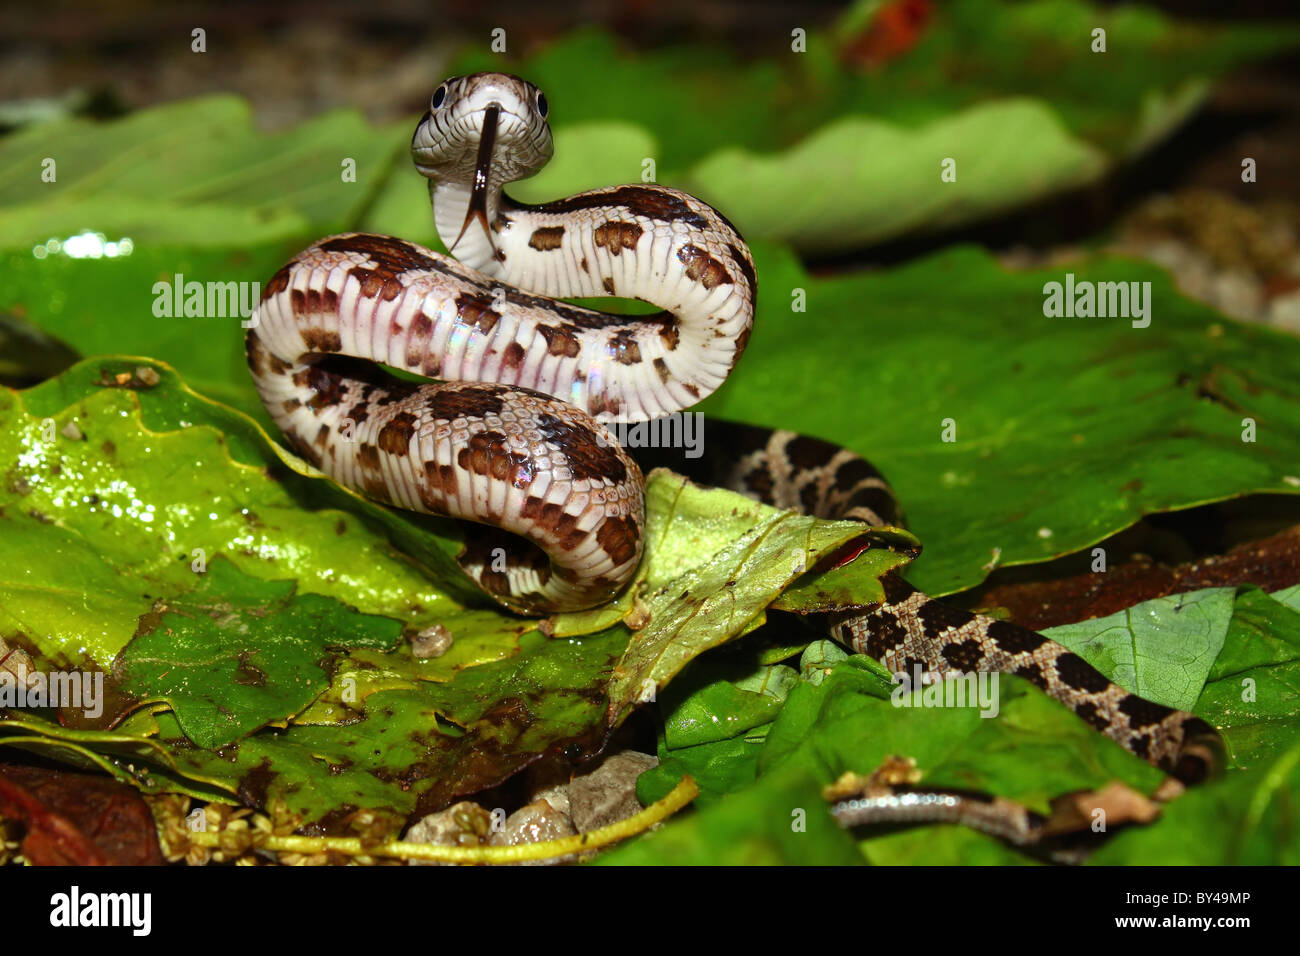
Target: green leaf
{"x": 1005, "y": 153}
{"x": 1161, "y": 649}
{"x": 708, "y": 605}
{"x": 1253, "y": 692}
{"x": 97, "y": 503}
{"x": 194, "y": 172}
{"x": 237, "y": 653}
{"x": 1033, "y": 750}
{"x": 1048, "y": 457}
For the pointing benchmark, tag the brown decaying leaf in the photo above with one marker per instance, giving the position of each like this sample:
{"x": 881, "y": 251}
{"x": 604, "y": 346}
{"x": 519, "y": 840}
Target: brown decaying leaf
{"x": 76, "y": 819}
{"x": 1272, "y": 563}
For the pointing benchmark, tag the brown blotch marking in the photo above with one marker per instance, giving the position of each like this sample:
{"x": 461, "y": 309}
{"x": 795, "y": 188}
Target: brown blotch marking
{"x": 652, "y": 202}
{"x": 278, "y": 365}
{"x": 321, "y": 340}
{"x": 742, "y": 342}
{"x": 488, "y": 453}
{"x": 667, "y": 330}
{"x": 1013, "y": 639}
{"x": 395, "y": 436}
{"x": 280, "y": 281}
{"x": 809, "y": 500}
{"x": 560, "y": 340}
{"x": 254, "y": 352}
{"x": 617, "y": 236}
{"x": 513, "y": 357}
{"x": 760, "y": 481}
{"x": 1032, "y": 673}
{"x": 461, "y": 402}
{"x": 390, "y": 257}
{"x": 1092, "y": 714}
{"x": 441, "y": 478}
{"x": 587, "y": 458}
{"x": 1142, "y": 712}
{"x": 691, "y": 390}
{"x": 313, "y": 301}
{"x": 553, "y": 519}
{"x": 327, "y": 388}
{"x": 936, "y": 617}
{"x": 359, "y": 413}
{"x": 1075, "y": 672}
{"x": 477, "y": 312}
{"x": 583, "y": 265}
{"x": 289, "y": 404}
{"x": 417, "y": 339}
{"x": 744, "y": 265}
{"x": 623, "y": 346}
{"x": 885, "y": 634}
{"x": 368, "y": 457}
{"x": 546, "y": 238}
{"x": 965, "y": 657}
{"x": 879, "y": 501}
{"x": 323, "y": 436}
{"x": 662, "y": 368}
{"x": 809, "y": 454}
{"x": 702, "y": 267}
{"x": 853, "y": 472}
{"x": 896, "y": 589}
{"x": 608, "y": 284}
{"x": 618, "y": 537}
{"x": 374, "y": 486}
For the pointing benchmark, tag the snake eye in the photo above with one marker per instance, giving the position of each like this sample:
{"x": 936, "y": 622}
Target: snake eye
{"x": 439, "y": 95}
{"x": 542, "y": 106}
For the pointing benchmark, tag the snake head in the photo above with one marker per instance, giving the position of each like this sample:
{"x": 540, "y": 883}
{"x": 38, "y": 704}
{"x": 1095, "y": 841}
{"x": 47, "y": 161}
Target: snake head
{"x": 465, "y": 113}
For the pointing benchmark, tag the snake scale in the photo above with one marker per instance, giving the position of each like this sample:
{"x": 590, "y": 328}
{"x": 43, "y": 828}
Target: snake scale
{"x": 512, "y": 435}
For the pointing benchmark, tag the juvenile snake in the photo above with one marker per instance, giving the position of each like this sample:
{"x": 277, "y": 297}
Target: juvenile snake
{"x": 512, "y": 435}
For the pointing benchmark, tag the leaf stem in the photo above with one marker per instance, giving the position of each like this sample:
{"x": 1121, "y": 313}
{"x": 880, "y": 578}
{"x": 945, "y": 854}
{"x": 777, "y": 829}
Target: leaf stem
{"x": 681, "y": 795}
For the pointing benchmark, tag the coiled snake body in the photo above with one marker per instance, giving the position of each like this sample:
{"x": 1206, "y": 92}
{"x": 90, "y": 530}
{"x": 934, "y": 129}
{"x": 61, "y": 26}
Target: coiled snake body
{"x": 512, "y": 437}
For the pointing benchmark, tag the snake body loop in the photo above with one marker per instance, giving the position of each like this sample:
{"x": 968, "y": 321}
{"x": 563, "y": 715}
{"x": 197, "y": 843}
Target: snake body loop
{"x": 511, "y": 436}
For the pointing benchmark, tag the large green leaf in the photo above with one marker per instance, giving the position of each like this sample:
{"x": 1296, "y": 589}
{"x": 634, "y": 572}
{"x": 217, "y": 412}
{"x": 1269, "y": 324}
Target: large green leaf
{"x": 1162, "y": 649}
{"x": 221, "y": 577}
{"x": 191, "y": 172}
{"x": 1049, "y": 454}
{"x": 232, "y": 655}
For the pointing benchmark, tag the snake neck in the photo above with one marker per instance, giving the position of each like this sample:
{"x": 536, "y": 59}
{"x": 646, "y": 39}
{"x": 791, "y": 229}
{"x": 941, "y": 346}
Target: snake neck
{"x": 463, "y": 234}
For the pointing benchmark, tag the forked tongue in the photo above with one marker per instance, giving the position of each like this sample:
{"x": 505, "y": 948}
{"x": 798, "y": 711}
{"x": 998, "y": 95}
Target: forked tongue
{"x": 482, "y": 166}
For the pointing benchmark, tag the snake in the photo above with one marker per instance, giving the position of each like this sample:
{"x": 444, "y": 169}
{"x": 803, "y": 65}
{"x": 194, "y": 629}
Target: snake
{"x": 508, "y": 424}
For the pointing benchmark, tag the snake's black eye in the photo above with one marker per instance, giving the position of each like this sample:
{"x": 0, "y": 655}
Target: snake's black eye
{"x": 542, "y": 107}
{"x": 439, "y": 95}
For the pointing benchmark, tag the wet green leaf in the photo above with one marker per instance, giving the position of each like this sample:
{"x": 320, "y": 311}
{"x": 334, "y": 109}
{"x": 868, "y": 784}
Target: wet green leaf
{"x": 1161, "y": 649}
{"x": 237, "y": 653}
